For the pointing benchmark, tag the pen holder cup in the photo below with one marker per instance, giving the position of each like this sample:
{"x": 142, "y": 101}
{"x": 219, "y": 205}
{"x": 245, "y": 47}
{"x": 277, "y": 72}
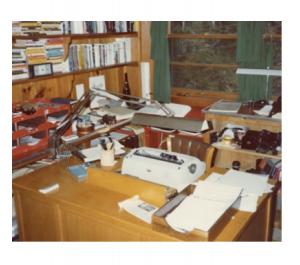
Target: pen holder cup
{"x": 107, "y": 157}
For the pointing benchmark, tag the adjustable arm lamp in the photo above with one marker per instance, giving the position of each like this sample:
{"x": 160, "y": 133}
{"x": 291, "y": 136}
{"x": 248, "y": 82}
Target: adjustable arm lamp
{"x": 168, "y": 121}
{"x": 266, "y": 72}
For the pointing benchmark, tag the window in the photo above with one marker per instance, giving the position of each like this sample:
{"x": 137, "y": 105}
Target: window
{"x": 203, "y": 55}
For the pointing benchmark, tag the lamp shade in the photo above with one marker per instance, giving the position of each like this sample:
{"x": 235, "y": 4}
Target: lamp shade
{"x": 249, "y": 71}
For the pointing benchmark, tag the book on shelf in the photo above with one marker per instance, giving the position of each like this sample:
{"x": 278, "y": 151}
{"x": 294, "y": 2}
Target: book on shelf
{"x": 97, "y": 54}
{"x": 110, "y": 53}
{"x": 127, "y": 47}
{"x": 62, "y": 100}
{"x": 269, "y": 166}
{"x": 54, "y": 52}
{"x": 263, "y": 165}
{"x": 58, "y": 67}
{"x": 225, "y": 106}
{"x": 20, "y": 76}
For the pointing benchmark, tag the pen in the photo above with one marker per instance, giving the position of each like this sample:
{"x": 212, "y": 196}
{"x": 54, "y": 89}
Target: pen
{"x": 109, "y": 146}
{"x": 103, "y": 143}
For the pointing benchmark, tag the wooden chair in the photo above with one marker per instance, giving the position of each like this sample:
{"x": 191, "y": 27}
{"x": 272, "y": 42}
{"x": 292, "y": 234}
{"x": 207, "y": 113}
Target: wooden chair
{"x": 192, "y": 147}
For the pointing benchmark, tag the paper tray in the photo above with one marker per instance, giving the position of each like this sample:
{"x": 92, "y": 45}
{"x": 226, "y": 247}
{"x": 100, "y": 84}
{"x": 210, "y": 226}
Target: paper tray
{"x": 159, "y": 223}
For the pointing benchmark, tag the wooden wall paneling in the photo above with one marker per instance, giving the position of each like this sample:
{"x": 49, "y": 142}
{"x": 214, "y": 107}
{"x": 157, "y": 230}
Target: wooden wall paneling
{"x": 16, "y": 94}
{"x": 83, "y": 79}
{"x": 134, "y": 80}
{"x": 113, "y": 79}
{"x": 28, "y": 91}
{"x": 46, "y": 89}
{"x": 65, "y": 86}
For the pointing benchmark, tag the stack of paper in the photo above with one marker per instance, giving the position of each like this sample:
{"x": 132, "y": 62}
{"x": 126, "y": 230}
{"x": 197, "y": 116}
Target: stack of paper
{"x": 253, "y": 185}
{"x": 204, "y": 207}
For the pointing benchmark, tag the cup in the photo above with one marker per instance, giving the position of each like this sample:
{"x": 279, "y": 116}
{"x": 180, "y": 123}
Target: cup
{"x": 107, "y": 157}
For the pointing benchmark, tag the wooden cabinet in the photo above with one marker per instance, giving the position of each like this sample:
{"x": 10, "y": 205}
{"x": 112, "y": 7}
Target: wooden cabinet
{"x": 246, "y": 118}
{"x": 63, "y": 84}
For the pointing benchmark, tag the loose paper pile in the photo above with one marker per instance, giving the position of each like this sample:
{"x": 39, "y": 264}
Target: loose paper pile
{"x": 204, "y": 207}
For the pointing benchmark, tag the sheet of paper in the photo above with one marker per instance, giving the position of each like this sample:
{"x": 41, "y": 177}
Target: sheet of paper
{"x": 246, "y": 203}
{"x": 265, "y": 111}
{"x": 204, "y": 207}
{"x": 140, "y": 209}
{"x": 251, "y": 183}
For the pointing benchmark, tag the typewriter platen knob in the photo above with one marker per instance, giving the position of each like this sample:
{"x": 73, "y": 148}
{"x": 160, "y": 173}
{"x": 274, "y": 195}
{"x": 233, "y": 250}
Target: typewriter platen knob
{"x": 192, "y": 168}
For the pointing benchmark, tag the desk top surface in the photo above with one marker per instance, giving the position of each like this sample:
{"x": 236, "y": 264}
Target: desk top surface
{"x": 244, "y": 112}
{"x": 103, "y": 202}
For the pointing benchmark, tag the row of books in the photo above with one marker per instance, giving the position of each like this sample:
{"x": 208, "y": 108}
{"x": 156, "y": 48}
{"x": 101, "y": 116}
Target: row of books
{"x": 271, "y": 167}
{"x": 36, "y": 51}
{"x": 71, "y": 27}
{"x": 81, "y": 56}
{"x": 86, "y": 56}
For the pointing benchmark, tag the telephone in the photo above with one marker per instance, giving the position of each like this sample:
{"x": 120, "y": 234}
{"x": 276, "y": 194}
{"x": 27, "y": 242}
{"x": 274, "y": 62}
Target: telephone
{"x": 232, "y": 130}
{"x": 277, "y": 106}
{"x": 261, "y": 103}
{"x": 268, "y": 141}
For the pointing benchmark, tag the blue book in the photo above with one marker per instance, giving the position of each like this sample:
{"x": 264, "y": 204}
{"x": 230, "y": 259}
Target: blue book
{"x": 79, "y": 171}
{"x": 61, "y": 100}
{"x": 54, "y": 52}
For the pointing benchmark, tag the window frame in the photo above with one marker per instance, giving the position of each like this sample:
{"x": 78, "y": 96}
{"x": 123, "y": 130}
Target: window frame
{"x": 184, "y": 92}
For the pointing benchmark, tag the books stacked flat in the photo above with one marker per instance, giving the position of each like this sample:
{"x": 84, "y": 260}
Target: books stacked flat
{"x": 51, "y": 27}
{"x": 30, "y": 27}
{"x": 19, "y": 65}
{"x": 54, "y": 52}
{"x": 35, "y": 51}
{"x": 16, "y": 28}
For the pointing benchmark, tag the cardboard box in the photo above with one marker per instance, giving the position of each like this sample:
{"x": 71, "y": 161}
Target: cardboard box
{"x": 160, "y": 225}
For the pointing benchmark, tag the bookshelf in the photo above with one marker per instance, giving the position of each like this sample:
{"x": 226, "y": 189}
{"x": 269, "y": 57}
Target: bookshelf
{"x": 64, "y": 84}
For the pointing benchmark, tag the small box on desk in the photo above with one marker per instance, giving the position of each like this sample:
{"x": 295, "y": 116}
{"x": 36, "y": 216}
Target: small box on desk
{"x": 160, "y": 225}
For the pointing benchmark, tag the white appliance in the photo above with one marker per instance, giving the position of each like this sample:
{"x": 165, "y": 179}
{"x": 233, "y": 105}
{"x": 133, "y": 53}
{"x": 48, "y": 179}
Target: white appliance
{"x": 163, "y": 167}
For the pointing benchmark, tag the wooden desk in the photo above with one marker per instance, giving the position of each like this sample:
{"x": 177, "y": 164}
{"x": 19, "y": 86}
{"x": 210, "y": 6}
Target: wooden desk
{"x": 84, "y": 211}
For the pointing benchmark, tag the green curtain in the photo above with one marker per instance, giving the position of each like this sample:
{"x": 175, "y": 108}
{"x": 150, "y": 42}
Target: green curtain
{"x": 252, "y": 53}
{"x": 161, "y": 57}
